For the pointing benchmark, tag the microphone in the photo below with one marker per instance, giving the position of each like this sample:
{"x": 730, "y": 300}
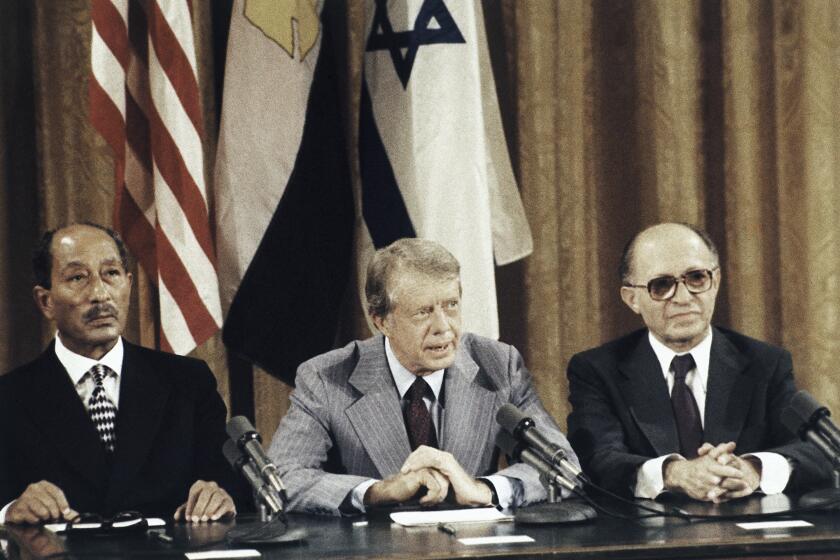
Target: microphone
{"x": 245, "y": 466}
{"x": 242, "y": 432}
{"x": 512, "y": 448}
{"x": 805, "y": 413}
{"x": 524, "y": 429}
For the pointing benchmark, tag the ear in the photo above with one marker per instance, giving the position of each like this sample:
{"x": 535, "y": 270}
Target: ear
{"x": 381, "y": 324}
{"x": 630, "y": 296}
{"x": 130, "y": 279}
{"x": 43, "y": 299}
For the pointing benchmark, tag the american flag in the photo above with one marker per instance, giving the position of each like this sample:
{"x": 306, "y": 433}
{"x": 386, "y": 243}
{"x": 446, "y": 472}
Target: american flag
{"x": 144, "y": 100}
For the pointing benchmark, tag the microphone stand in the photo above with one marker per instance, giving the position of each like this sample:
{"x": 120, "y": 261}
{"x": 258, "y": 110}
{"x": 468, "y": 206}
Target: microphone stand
{"x": 829, "y": 497}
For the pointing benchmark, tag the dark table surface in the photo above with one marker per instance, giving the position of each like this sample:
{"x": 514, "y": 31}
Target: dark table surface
{"x": 605, "y": 537}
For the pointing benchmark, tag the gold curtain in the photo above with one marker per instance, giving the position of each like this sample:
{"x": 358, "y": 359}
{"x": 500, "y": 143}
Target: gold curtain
{"x": 618, "y": 114}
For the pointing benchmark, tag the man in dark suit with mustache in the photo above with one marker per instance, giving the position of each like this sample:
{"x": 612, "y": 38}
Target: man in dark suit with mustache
{"x": 97, "y": 424}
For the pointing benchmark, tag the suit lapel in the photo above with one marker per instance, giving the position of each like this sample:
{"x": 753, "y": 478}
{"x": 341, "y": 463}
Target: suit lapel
{"x": 728, "y": 391}
{"x": 648, "y": 399}
{"x": 143, "y": 397}
{"x": 54, "y": 405}
{"x": 376, "y": 416}
{"x": 468, "y": 415}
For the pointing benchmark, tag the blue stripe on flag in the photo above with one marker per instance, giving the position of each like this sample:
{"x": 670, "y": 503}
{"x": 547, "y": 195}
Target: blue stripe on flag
{"x": 382, "y": 204}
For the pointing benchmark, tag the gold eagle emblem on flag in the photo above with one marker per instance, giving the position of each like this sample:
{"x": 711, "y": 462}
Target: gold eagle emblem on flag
{"x": 275, "y": 20}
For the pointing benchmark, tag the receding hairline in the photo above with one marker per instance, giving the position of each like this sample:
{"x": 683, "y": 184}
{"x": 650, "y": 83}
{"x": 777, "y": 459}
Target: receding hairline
{"x": 628, "y": 256}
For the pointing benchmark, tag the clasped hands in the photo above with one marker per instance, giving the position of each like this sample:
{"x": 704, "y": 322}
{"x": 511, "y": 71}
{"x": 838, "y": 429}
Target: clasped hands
{"x": 435, "y": 470}
{"x": 716, "y": 475}
{"x": 44, "y": 501}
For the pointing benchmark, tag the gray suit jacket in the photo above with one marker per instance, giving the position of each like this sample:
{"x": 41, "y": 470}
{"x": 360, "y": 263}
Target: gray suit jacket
{"x": 345, "y": 424}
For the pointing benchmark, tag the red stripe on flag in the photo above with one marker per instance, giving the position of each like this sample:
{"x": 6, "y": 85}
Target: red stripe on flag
{"x": 173, "y": 273}
{"x": 138, "y": 233}
{"x": 110, "y": 26}
{"x": 177, "y": 67}
{"x": 170, "y": 163}
{"x": 164, "y": 343}
{"x": 138, "y": 138}
{"x": 108, "y": 120}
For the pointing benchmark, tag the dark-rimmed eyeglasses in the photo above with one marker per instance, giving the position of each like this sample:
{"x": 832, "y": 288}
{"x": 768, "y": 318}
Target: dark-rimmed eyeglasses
{"x": 664, "y": 287}
{"x": 93, "y": 523}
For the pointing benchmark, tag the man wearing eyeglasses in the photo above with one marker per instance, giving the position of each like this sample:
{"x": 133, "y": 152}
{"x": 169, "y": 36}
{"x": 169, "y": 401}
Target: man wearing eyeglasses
{"x": 682, "y": 406}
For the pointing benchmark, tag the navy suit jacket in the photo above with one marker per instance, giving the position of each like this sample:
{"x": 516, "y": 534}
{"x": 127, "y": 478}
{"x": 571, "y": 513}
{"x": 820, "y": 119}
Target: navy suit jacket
{"x": 170, "y": 430}
{"x": 621, "y": 409}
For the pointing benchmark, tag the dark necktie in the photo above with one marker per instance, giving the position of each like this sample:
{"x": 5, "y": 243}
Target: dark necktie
{"x": 685, "y": 408}
{"x": 418, "y": 421}
{"x": 102, "y": 411}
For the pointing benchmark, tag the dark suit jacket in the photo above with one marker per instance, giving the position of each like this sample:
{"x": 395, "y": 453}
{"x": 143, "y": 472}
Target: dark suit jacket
{"x": 170, "y": 430}
{"x": 345, "y": 424}
{"x": 621, "y": 410}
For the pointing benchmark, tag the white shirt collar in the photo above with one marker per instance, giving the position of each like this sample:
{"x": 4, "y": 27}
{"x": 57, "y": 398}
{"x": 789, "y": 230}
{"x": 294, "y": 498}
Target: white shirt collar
{"x": 404, "y": 378}
{"x": 77, "y": 365}
{"x": 700, "y": 353}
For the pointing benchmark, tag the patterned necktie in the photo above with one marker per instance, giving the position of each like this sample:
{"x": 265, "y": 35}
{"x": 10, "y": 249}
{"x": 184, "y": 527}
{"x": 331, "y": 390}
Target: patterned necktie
{"x": 685, "y": 408}
{"x": 102, "y": 411}
{"x": 421, "y": 430}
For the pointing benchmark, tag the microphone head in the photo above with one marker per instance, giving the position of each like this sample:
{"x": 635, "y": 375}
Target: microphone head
{"x": 795, "y": 423}
{"x": 509, "y": 417}
{"x": 508, "y": 444}
{"x": 239, "y": 427}
{"x": 232, "y": 453}
{"x": 802, "y": 411}
{"x": 806, "y": 406}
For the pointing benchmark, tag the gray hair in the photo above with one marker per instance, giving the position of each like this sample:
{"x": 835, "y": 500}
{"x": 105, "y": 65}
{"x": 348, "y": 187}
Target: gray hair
{"x": 417, "y": 255}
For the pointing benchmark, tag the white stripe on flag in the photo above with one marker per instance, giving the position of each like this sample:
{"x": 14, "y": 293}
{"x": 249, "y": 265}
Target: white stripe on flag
{"x": 183, "y": 240}
{"x": 172, "y": 323}
{"x": 177, "y": 122}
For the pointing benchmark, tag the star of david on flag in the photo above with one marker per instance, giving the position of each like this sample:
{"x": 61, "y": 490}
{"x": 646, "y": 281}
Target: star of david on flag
{"x": 432, "y": 151}
{"x": 433, "y": 25}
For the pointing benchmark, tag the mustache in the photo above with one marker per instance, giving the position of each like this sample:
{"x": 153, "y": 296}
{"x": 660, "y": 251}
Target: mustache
{"x": 99, "y": 310}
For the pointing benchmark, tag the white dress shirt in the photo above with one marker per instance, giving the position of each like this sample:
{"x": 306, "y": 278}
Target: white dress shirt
{"x": 403, "y": 379}
{"x": 775, "y": 469}
{"x": 76, "y": 367}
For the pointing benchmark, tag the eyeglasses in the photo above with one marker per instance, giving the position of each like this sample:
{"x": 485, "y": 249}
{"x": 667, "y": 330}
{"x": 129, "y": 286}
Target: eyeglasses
{"x": 95, "y": 524}
{"x": 664, "y": 287}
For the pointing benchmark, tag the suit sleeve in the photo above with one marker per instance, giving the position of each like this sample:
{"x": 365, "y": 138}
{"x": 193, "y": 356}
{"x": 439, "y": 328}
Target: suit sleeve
{"x": 209, "y": 422}
{"x": 300, "y": 449}
{"x": 810, "y": 467}
{"x": 524, "y": 396}
{"x": 597, "y": 433}
{"x": 9, "y": 490}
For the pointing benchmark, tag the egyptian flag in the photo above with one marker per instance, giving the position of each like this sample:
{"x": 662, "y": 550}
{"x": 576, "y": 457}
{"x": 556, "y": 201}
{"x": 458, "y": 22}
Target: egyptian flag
{"x": 433, "y": 157}
{"x": 284, "y": 204}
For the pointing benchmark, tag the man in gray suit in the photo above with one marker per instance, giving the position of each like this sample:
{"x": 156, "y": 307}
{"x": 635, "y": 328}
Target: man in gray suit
{"x": 409, "y": 412}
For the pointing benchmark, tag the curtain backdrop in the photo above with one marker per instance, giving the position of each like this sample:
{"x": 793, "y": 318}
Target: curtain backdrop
{"x": 618, "y": 114}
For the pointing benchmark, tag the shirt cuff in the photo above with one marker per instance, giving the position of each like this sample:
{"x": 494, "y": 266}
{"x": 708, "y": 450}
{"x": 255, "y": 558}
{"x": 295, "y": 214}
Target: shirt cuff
{"x": 775, "y": 472}
{"x": 649, "y": 480}
{"x": 3, "y": 512}
{"x": 504, "y": 489}
{"x": 357, "y": 495}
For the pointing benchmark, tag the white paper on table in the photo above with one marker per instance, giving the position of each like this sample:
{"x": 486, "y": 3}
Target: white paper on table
{"x": 501, "y": 539}
{"x": 470, "y": 515}
{"x": 211, "y": 554}
{"x": 774, "y": 524}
